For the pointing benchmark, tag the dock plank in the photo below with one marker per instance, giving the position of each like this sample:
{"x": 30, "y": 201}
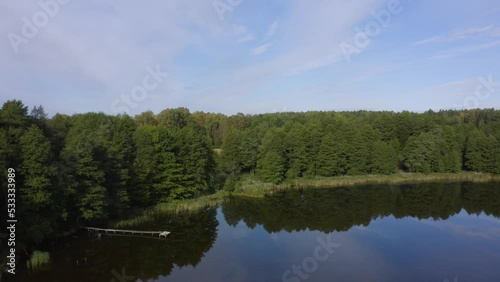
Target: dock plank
{"x": 123, "y": 231}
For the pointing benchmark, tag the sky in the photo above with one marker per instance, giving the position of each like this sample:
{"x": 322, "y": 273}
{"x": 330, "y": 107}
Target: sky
{"x": 260, "y": 56}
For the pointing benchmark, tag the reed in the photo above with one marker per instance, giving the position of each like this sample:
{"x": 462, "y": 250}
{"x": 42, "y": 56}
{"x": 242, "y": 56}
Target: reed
{"x": 189, "y": 205}
{"x": 399, "y": 178}
{"x": 38, "y": 259}
{"x": 250, "y": 186}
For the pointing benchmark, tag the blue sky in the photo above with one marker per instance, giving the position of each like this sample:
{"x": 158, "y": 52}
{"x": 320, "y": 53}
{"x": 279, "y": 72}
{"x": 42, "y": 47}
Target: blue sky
{"x": 247, "y": 56}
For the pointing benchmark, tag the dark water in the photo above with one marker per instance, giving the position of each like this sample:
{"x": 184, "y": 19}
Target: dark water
{"x": 425, "y": 232}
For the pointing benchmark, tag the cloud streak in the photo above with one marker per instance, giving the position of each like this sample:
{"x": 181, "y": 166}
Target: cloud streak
{"x": 254, "y": 60}
{"x": 261, "y": 49}
{"x": 471, "y": 33}
{"x": 464, "y": 50}
{"x": 272, "y": 29}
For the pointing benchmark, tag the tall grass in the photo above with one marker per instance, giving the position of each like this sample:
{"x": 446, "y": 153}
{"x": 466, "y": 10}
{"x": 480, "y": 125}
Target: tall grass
{"x": 251, "y": 186}
{"x": 38, "y": 259}
{"x": 190, "y": 205}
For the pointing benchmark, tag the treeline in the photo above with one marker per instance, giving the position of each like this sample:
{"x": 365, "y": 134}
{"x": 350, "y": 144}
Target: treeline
{"x": 283, "y": 146}
{"x": 93, "y": 167}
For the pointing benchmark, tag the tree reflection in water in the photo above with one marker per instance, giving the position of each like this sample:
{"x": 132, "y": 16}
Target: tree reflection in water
{"x": 339, "y": 209}
{"x": 90, "y": 258}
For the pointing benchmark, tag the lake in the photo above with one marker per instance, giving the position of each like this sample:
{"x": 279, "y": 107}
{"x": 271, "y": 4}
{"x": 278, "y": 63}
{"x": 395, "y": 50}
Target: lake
{"x": 422, "y": 232}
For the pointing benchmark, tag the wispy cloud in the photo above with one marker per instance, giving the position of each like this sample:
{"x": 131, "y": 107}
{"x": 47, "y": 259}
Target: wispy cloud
{"x": 243, "y": 33}
{"x": 261, "y": 49}
{"x": 463, "y": 50}
{"x": 244, "y": 58}
{"x": 488, "y": 31}
{"x": 246, "y": 37}
{"x": 272, "y": 29}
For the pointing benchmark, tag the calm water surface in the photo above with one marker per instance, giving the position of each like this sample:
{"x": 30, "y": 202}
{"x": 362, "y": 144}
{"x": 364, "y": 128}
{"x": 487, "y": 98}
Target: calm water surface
{"x": 424, "y": 232}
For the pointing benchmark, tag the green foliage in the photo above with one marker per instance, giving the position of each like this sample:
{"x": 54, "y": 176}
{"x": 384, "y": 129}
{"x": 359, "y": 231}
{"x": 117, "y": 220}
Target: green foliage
{"x": 384, "y": 158}
{"x": 93, "y": 167}
{"x": 230, "y": 160}
{"x": 38, "y": 259}
{"x": 333, "y": 156}
{"x": 483, "y": 153}
{"x": 174, "y": 119}
{"x": 146, "y": 118}
{"x": 36, "y": 192}
{"x": 230, "y": 183}
{"x": 271, "y": 163}
{"x": 271, "y": 167}
{"x": 145, "y": 166}
{"x": 435, "y": 151}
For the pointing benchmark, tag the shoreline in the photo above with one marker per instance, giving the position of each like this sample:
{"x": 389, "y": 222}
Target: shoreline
{"x": 250, "y": 186}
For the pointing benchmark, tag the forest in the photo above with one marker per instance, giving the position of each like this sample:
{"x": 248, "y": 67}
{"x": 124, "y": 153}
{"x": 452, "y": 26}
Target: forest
{"x": 90, "y": 168}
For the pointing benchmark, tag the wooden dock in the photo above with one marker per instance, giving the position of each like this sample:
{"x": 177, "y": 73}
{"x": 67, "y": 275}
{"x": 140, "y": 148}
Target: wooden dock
{"x": 131, "y": 232}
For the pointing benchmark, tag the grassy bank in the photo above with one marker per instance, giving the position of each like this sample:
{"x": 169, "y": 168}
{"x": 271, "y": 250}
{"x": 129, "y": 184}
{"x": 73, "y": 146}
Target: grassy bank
{"x": 252, "y": 186}
{"x": 174, "y": 207}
